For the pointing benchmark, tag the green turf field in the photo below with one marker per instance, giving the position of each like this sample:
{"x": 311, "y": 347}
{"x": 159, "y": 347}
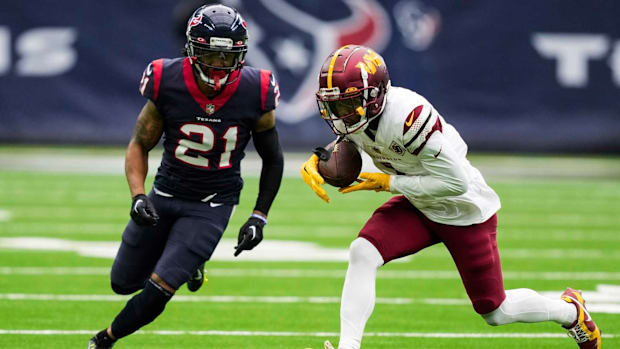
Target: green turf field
{"x": 553, "y": 233}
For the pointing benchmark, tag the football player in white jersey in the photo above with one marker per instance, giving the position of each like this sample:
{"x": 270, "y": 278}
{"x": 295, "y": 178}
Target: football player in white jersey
{"x": 442, "y": 199}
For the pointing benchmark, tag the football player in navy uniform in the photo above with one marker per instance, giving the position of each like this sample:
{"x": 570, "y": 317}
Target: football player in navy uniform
{"x": 207, "y": 106}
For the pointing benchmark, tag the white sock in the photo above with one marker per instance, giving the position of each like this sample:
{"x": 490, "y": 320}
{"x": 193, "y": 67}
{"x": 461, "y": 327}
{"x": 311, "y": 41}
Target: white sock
{"x": 358, "y": 293}
{"x": 525, "y": 305}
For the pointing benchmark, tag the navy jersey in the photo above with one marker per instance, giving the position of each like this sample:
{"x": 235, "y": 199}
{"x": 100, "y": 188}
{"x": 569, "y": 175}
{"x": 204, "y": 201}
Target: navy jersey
{"x": 204, "y": 139}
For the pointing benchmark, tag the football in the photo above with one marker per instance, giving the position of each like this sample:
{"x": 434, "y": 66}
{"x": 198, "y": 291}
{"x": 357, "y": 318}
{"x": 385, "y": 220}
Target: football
{"x": 343, "y": 165}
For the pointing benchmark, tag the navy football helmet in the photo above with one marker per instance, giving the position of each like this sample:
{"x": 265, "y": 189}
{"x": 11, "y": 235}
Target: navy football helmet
{"x": 217, "y": 38}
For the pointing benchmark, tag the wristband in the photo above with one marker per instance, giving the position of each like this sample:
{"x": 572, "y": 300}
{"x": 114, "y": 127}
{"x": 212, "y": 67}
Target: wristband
{"x": 263, "y": 219}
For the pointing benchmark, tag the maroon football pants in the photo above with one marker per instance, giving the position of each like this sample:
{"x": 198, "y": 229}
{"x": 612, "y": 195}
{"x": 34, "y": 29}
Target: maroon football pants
{"x": 398, "y": 229}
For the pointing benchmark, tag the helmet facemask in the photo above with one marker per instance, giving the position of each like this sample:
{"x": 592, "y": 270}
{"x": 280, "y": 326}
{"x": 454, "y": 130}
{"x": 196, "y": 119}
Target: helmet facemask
{"x": 203, "y": 57}
{"x": 346, "y": 112}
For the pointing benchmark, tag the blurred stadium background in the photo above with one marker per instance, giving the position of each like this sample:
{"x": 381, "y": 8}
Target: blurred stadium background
{"x": 533, "y": 87}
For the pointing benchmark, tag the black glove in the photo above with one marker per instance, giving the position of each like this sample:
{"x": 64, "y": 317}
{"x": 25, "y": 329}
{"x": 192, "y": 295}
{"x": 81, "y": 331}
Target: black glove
{"x": 142, "y": 210}
{"x": 250, "y": 235}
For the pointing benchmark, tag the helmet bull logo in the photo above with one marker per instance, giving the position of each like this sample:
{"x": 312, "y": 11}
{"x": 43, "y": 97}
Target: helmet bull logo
{"x": 195, "y": 21}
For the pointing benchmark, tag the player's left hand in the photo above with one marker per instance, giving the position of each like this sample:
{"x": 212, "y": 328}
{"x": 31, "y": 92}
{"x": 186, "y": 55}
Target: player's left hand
{"x": 373, "y": 181}
{"x": 250, "y": 235}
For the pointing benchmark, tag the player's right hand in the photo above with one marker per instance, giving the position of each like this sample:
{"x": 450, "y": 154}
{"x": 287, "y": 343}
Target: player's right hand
{"x": 250, "y": 235}
{"x": 310, "y": 174}
{"x": 142, "y": 210}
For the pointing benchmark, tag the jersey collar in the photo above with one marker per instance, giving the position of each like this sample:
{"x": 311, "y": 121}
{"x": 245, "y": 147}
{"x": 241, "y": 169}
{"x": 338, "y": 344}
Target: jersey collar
{"x": 210, "y": 106}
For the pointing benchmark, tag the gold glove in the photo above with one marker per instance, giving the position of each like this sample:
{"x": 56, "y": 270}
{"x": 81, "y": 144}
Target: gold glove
{"x": 310, "y": 174}
{"x": 373, "y": 181}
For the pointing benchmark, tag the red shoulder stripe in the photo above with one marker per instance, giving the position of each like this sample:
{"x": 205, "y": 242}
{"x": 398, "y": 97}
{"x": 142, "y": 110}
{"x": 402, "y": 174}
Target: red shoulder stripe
{"x": 158, "y": 66}
{"x": 199, "y": 97}
{"x": 264, "y": 86}
{"x": 436, "y": 127}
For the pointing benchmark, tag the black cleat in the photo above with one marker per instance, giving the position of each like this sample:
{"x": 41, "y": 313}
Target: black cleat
{"x": 101, "y": 341}
{"x": 197, "y": 279}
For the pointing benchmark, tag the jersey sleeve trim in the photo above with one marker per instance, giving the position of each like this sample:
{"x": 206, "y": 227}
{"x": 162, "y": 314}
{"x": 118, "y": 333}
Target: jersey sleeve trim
{"x": 265, "y": 77}
{"x": 419, "y": 124}
{"x": 157, "y": 70}
{"x": 411, "y": 118}
{"x": 436, "y": 127}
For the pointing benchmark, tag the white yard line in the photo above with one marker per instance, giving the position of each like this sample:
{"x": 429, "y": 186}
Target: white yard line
{"x": 225, "y": 299}
{"x": 605, "y": 299}
{"x": 271, "y": 250}
{"x": 281, "y": 250}
{"x": 332, "y": 274}
{"x": 304, "y": 334}
{"x": 54, "y": 271}
{"x": 80, "y": 160}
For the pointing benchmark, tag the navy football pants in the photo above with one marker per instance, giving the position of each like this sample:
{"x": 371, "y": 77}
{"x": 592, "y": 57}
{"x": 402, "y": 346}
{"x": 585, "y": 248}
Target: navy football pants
{"x": 185, "y": 237}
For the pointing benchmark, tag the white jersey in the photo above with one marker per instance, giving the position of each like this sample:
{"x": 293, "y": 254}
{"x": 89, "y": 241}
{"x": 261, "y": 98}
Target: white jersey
{"x": 427, "y": 160}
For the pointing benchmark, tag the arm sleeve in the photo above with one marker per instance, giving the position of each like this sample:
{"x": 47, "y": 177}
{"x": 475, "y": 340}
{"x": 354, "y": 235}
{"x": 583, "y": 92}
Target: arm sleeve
{"x": 268, "y": 147}
{"x": 447, "y": 177}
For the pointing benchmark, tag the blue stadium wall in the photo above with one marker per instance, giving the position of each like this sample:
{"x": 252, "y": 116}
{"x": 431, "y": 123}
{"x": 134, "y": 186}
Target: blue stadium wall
{"x": 510, "y": 75}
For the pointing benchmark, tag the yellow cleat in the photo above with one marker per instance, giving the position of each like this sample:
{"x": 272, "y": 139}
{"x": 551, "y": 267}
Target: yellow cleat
{"x": 584, "y": 331}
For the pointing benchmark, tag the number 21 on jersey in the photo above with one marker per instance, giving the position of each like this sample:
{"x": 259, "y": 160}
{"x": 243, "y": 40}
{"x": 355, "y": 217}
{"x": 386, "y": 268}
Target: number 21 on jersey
{"x": 206, "y": 144}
